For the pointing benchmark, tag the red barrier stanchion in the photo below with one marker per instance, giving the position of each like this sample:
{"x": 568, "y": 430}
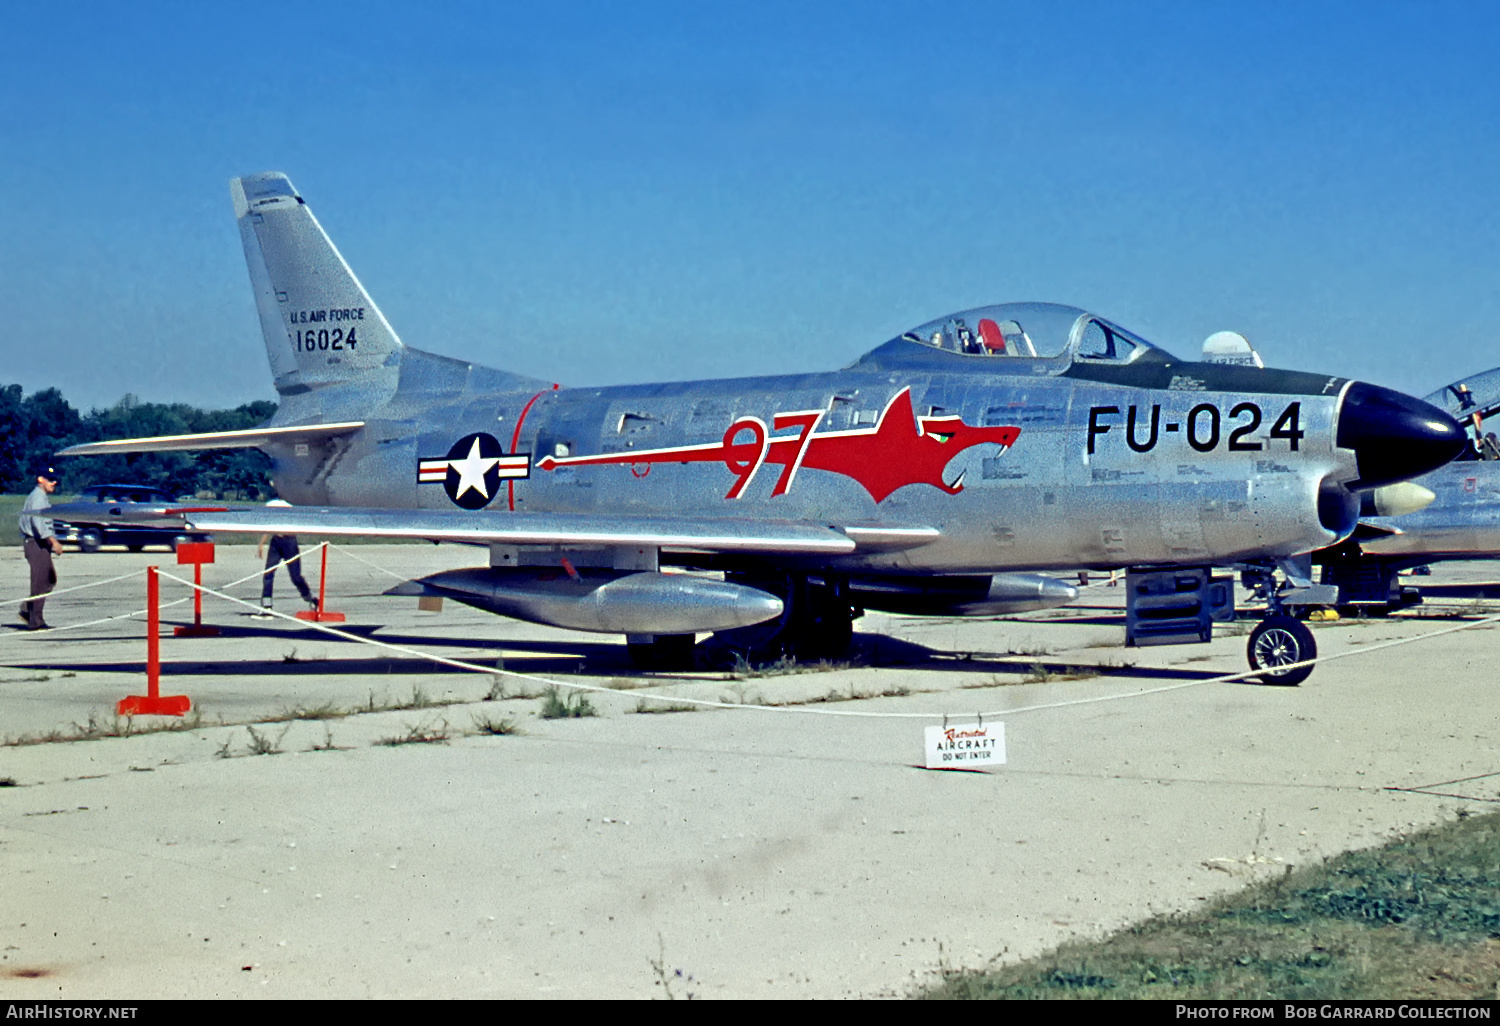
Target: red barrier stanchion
{"x": 196, "y": 553}
{"x": 321, "y": 614}
{"x": 153, "y": 703}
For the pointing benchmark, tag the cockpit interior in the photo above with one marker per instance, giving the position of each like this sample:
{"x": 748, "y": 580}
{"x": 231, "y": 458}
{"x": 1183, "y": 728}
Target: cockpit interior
{"x": 1031, "y": 331}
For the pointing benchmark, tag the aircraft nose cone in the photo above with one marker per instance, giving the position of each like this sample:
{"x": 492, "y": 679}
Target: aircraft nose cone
{"x": 1394, "y": 437}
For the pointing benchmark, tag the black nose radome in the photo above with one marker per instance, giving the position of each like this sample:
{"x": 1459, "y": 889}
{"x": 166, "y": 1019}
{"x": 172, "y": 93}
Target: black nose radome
{"x": 1394, "y": 437}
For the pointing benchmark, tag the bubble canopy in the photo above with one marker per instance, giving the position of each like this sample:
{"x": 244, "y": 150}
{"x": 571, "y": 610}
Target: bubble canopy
{"x": 1031, "y": 331}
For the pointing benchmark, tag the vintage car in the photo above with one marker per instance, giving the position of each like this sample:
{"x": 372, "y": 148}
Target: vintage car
{"x": 89, "y": 537}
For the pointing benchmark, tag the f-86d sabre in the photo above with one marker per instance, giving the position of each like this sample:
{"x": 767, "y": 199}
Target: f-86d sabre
{"x": 1452, "y": 513}
{"x": 939, "y": 473}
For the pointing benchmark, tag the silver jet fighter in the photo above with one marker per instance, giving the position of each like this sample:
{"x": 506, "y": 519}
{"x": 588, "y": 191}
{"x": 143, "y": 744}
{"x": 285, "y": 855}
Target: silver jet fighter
{"x": 939, "y": 473}
{"x": 1451, "y": 513}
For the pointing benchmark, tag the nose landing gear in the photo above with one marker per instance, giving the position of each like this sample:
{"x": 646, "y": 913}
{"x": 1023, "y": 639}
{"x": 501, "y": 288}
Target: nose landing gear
{"x": 1280, "y": 641}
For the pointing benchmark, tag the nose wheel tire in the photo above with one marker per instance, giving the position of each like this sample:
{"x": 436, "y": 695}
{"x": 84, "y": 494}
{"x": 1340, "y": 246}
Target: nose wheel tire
{"x": 1281, "y": 641}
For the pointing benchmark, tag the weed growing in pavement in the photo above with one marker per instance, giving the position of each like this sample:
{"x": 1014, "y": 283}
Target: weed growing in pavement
{"x": 742, "y": 696}
{"x": 1044, "y": 675}
{"x": 419, "y": 700}
{"x": 743, "y": 669}
{"x": 327, "y": 745}
{"x": 647, "y": 706}
{"x": 293, "y": 657}
{"x": 420, "y": 734}
{"x": 326, "y": 711}
{"x": 264, "y": 744}
{"x": 486, "y": 724}
{"x": 555, "y": 706}
{"x": 100, "y": 727}
{"x": 666, "y": 978}
{"x": 856, "y": 695}
{"x": 993, "y": 682}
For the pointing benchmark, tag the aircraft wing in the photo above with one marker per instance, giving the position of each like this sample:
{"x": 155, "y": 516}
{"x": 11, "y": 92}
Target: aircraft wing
{"x": 251, "y": 438}
{"x": 718, "y": 535}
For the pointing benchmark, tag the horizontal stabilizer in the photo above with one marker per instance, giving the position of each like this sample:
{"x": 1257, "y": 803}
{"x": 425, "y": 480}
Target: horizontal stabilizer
{"x": 251, "y": 438}
{"x": 481, "y": 528}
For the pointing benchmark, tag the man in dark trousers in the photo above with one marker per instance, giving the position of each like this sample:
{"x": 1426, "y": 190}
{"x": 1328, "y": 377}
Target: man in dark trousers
{"x": 283, "y": 549}
{"x": 40, "y": 545}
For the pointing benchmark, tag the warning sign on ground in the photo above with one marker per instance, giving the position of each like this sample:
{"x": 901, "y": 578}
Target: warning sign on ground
{"x": 966, "y": 746}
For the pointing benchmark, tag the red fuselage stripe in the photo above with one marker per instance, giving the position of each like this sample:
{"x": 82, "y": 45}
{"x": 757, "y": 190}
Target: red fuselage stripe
{"x": 515, "y": 440}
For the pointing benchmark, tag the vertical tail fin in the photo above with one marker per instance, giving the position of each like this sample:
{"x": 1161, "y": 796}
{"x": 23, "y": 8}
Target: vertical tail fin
{"x": 321, "y": 327}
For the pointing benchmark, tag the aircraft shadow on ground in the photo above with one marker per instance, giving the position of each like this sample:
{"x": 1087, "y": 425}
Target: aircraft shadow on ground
{"x": 893, "y": 653}
{"x": 542, "y": 657}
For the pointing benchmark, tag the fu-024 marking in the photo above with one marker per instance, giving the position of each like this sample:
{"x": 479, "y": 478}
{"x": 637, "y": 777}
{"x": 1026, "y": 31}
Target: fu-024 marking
{"x": 1204, "y": 427}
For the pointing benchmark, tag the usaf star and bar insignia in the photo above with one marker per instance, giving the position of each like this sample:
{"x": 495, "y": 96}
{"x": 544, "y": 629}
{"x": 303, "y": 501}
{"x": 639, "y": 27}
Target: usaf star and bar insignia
{"x": 473, "y": 469}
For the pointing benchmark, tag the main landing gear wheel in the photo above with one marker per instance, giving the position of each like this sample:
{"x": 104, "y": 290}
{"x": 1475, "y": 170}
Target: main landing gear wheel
{"x": 663, "y": 652}
{"x": 816, "y": 622}
{"x": 1281, "y": 641}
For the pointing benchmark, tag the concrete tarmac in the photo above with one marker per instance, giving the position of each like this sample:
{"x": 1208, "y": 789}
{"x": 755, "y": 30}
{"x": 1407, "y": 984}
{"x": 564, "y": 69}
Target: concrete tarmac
{"x": 717, "y": 853}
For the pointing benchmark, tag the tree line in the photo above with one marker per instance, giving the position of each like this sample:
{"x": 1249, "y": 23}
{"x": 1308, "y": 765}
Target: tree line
{"x": 33, "y": 428}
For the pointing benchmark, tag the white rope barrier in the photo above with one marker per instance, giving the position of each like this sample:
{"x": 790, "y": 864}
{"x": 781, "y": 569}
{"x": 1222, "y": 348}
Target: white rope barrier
{"x": 680, "y": 699}
{"x": 76, "y": 587}
{"x": 142, "y": 612}
{"x": 809, "y": 710}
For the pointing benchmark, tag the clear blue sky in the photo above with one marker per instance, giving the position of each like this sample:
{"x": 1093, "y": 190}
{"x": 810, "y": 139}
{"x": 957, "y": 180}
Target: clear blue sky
{"x": 614, "y": 192}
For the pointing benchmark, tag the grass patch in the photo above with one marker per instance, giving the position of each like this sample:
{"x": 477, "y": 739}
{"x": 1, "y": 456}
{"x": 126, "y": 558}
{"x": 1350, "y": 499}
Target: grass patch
{"x": 556, "y": 706}
{"x": 1418, "y": 918}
